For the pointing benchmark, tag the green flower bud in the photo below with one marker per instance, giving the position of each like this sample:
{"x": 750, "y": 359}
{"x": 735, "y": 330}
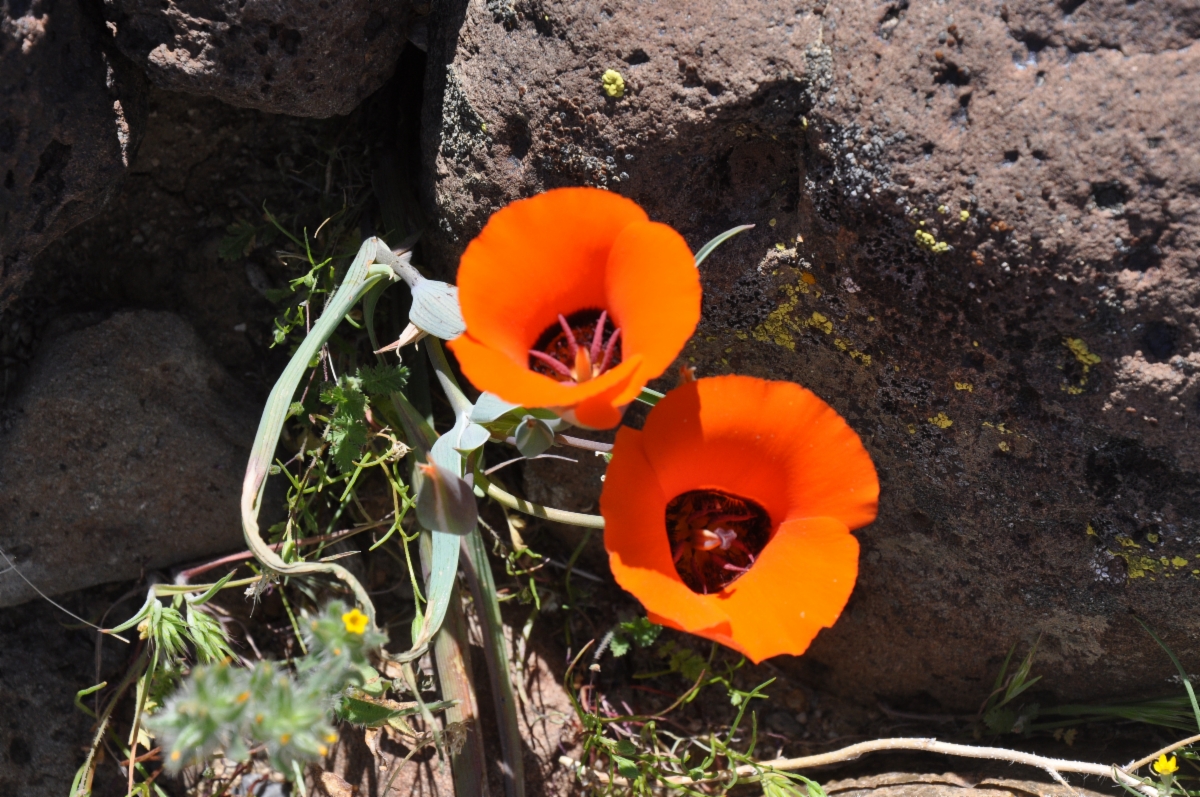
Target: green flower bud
{"x": 534, "y": 436}
{"x": 445, "y": 502}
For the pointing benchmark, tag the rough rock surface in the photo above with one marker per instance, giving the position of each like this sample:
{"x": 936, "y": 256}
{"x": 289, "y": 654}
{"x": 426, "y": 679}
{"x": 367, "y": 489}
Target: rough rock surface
{"x": 73, "y": 114}
{"x": 43, "y": 736}
{"x": 313, "y": 59}
{"x": 124, "y": 452}
{"x": 977, "y": 238}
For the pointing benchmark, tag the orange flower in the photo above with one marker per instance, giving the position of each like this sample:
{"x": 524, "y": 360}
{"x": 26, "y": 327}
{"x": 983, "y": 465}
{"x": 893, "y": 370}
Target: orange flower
{"x": 574, "y": 300}
{"x": 729, "y": 515}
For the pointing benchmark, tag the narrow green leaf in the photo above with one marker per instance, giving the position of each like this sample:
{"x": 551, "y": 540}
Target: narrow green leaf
{"x": 708, "y": 248}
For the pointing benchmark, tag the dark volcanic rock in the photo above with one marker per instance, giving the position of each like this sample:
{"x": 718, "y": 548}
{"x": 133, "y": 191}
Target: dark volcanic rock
{"x": 72, "y": 116}
{"x": 977, "y": 238}
{"x": 313, "y": 59}
{"x": 44, "y": 737}
{"x": 124, "y": 452}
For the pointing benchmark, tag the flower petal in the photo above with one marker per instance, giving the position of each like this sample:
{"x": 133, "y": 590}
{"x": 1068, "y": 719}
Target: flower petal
{"x": 635, "y": 536}
{"x": 799, "y": 585}
{"x": 537, "y": 258}
{"x": 653, "y": 290}
{"x": 774, "y": 442}
{"x": 484, "y": 367}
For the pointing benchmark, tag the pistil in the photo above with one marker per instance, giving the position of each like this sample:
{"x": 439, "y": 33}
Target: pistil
{"x": 715, "y": 537}
{"x": 560, "y": 354}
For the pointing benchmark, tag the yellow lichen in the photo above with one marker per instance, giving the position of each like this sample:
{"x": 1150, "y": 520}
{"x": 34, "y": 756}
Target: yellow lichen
{"x": 777, "y": 328}
{"x": 1071, "y": 390}
{"x": 926, "y": 241}
{"x": 967, "y": 386}
{"x": 1005, "y": 446}
{"x": 1179, "y": 562}
{"x": 1152, "y": 538}
{"x": 963, "y": 215}
{"x": 912, "y": 428}
{"x": 941, "y": 421}
{"x": 1136, "y": 565}
{"x": 1084, "y": 355}
{"x": 1091, "y": 531}
{"x": 1125, "y": 542}
{"x": 818, "y": 321}
{"x": 613, "y": 84}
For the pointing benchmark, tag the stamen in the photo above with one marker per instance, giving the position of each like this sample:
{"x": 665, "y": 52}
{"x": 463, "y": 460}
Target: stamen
{"x": 715, "y": 537}
{"x": 598, "y": 336}
{"x": 608, "y": 350}
{"x": 578, "y": 343}
{"x": 569, "y": 333}
{"x": 551, "y": 361}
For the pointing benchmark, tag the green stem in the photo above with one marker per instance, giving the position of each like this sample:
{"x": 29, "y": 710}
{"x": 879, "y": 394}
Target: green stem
{"x": 537, "y": 510}
{"x": 648, "y": 396}
{"x": 362, "y": 276}
{"x": 451, "y": 657}
{"x": 495, "y": 649}
{"x": 441, "y": 366}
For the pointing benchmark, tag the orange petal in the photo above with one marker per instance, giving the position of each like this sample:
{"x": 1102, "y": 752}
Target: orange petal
{"x": 653, "y": 290}
{"x": 774, "y": 442}
{"x": 799, "y": 585}
{"x": 635, "y": 535}
{"x": 537, "y": 258}
{"x": 489, "y": 371}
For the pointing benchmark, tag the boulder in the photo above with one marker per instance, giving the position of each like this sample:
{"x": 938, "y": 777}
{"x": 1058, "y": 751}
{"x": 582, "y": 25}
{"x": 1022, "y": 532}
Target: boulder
{"x": 314, "y": 59}
{"x": 123, "y": 452}
{"x": 976, "y": 238}
{"x": 44, "y": 738}
{"x": 73, "y": 116}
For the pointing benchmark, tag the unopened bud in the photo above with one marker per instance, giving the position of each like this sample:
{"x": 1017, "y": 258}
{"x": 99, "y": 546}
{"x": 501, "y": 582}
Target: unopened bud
{"x": 435, "y": 309}
{"x": 445, "y": 502}
{"x": 534, "y": 436}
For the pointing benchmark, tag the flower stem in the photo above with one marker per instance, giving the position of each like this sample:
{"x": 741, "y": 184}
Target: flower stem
{"x": 1054, "y": 766}
{"x": 648, "y": 396}
{"x": 537, "y": 510}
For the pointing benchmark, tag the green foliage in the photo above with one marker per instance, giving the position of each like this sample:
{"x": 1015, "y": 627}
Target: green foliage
{"x": 347, "y": 429}
{"x": 234, "y": 709}
{"x": 999, "y": 713}
{"x": 383, "y": 380}
{"x": 640, "y": 632}
{"x": 239, "y": 240}
{"x": 207, "y": 635}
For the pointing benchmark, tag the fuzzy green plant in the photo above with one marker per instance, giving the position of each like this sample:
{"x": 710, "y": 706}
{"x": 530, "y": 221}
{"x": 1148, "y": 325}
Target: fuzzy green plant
{"x": 288, "y": 714}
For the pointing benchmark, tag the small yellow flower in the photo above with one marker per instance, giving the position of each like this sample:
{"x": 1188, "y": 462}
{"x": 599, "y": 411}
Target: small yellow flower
{"x": 1165, "y": 766}
{"x": 176, "y": 755}
{"x": 355, "y": 621}
{"x": 331, "y": 738}
{"x": 613, "y": 84}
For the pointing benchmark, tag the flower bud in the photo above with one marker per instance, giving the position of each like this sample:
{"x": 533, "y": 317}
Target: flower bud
{"x": 445, "y": 502}
{"x": 435, "y": 309}
{"x": 534, "y": 436}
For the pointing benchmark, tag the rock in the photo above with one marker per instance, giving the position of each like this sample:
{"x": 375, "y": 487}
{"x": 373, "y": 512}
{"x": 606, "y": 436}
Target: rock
{"x": 73, "y": 115}
{"x": 304, "y": 59}
{"x": 976, "y": 238}
{"x": 124, "y": 452}
{"x": 44, "y": 737}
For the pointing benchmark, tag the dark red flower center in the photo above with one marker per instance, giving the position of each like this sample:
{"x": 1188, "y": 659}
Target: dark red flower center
{"x": 715, "y": 537}
{"x": 579, "y": 347}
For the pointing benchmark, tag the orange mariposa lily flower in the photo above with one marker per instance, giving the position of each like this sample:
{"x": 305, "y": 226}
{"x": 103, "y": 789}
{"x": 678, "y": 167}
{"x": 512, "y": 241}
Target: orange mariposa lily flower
{"x": 729, "y": 515}
{"x": 574, "y": 300}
